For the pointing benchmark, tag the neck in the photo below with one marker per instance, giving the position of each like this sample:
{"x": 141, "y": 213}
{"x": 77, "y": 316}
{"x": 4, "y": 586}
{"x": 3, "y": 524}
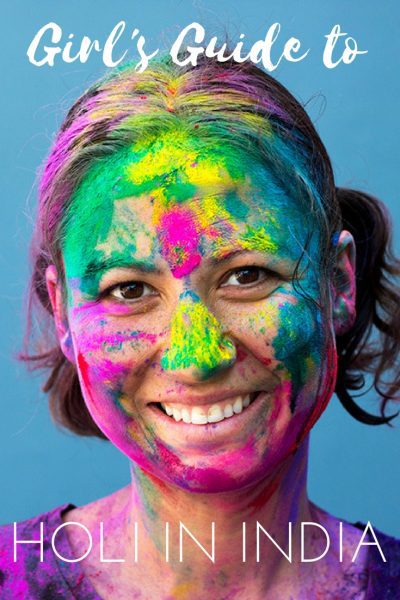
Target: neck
{"x": 273, "y": 503}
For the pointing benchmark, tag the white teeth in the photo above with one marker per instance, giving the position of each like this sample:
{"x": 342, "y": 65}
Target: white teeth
{"x": 199, "y": 415}
{"x": 228, "y": 411}
{"x": 167, "y": 409}
{"x": 215, "y": 414}
{"x": 177, "y": 414}
{"x": 238, "y": 405}
{"x": 186, "y": 415}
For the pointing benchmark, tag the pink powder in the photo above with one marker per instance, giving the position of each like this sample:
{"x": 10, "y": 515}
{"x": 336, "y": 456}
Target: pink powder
{"x": 179, "y": 239}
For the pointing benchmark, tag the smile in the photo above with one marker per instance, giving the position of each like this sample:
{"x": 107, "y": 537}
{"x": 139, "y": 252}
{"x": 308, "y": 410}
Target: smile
{"x": 201, "y": 415}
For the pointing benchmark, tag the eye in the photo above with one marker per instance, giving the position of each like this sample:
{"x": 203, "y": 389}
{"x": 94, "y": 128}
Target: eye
{"x": 248, "y": 276}
{"x": 130, "y": 291}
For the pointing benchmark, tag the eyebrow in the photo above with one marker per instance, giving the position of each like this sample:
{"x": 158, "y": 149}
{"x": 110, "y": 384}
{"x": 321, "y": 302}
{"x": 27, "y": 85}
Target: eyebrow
{"x": 217, "y": 260}
{"x": 98, "y": 266}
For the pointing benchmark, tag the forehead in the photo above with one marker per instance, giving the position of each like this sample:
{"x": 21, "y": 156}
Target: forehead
{"x": 178, "y": 195}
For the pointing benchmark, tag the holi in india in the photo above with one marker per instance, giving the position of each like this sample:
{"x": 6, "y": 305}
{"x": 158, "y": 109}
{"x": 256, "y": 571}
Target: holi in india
{"x": 204, "y": 288}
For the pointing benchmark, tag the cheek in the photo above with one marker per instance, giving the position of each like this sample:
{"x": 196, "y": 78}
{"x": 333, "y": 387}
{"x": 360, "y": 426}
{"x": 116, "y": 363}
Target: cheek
{"x": 110, "y": 358}
{"x": 288, "y": 336}
{"x": 299, "y": 344}
{"x": 306, "y": 353}
{"x": 106, "y": 340}
{"x": 105, "y": 375}
{"x": 293, "y": 341}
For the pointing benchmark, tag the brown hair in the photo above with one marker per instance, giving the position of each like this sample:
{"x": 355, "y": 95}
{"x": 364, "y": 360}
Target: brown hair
{"x": 238, "y": 100}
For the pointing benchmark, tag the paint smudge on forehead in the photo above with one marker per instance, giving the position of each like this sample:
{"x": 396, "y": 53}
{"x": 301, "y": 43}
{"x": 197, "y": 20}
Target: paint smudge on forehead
{"x": 128, "y": 233}
{"x": 257, "y": 238}
{"x": 179, "y": 239}
{"x": 126, "y": 175}
{"x": 196, "y": 198}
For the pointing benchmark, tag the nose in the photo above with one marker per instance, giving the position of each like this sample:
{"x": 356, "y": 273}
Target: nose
{"x": 198, "y": 348}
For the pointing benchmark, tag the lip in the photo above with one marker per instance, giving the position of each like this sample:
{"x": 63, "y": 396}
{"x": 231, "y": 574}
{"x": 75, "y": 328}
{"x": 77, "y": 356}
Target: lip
{"x": 168, "y": 429}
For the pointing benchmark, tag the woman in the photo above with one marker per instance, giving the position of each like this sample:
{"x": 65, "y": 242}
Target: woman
{"x": 199, "y": 269}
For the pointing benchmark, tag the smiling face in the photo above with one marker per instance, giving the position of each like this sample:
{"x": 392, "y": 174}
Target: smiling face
{"x": 181, "y": 298}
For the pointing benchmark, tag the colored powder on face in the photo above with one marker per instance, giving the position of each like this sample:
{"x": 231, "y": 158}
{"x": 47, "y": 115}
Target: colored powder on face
{"x": 197, "y": 340}
{"x": 167, "y": 172}
{"x": 297, "y": 343}
{"x": 257, "y": 238}
{"x": 84, "y": 228}
{"x": 160, "y": 156}
{"x": 114, "y": 341}
{"x": 199, "y": 476}
{"x": 179, "y": 240}
{"x": 233, "y": 208}
{"x": 178, "y": 151}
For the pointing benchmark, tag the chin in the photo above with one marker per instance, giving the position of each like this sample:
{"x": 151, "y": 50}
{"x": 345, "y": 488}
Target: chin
{"x": 208, "y": 476}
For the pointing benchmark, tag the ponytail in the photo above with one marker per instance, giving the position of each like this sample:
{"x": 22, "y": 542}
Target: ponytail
{"x": 372, "y": 345}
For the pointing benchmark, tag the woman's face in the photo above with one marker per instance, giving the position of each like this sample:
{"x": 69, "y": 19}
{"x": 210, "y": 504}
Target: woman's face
{"x": 179, "y": 265}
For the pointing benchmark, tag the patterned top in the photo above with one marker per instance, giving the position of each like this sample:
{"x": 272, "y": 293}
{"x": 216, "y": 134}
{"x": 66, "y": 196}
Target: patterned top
{"x": 30, "y": 579}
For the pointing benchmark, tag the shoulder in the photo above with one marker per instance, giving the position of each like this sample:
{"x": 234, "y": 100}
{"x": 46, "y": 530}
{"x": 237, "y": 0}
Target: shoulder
{"x": 35, "y": 553}
{"x": 29, "y": 568}
{"x": 384, "y": 567}
{"x": 373, "y": 556}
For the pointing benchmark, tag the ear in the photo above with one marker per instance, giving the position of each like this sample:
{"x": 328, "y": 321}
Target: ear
{"x": 59, "y": 313}
{"x": 344, "y": 284}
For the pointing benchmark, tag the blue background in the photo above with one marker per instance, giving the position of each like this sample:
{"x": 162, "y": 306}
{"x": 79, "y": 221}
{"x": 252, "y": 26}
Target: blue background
{"x": 354, "y": 469}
